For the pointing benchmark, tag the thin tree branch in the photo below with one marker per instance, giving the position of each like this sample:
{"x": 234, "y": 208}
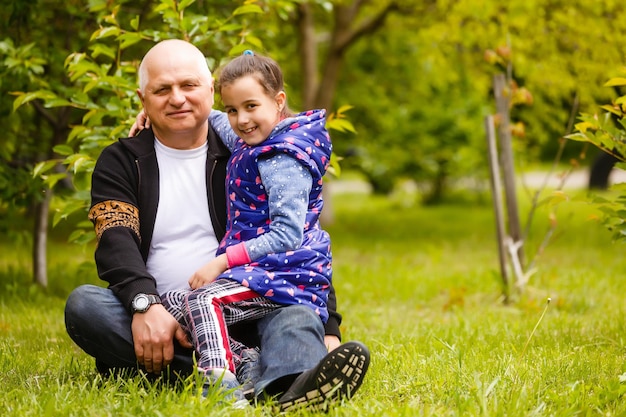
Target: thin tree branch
{"x": 45, "y": 113}
{"x": 345, "y": 15}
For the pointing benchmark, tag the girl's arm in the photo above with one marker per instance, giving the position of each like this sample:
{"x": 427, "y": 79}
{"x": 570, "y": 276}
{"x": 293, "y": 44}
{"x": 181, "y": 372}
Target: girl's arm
{"x": 219, "y": 122}
{"x": 288, "y": 184}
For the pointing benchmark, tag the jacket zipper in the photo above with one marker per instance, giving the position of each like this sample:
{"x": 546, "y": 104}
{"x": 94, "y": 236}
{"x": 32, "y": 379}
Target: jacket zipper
{"x": 138, "y": 176}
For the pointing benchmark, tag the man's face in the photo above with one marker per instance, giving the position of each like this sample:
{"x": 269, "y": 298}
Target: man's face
{"x": 178, "y": 95}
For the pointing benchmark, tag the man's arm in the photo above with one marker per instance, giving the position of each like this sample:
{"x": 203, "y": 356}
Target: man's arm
{"x": 115, "y": 215}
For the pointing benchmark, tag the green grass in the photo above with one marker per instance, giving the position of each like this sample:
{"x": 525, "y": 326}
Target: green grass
{"x": 419, "y": 285}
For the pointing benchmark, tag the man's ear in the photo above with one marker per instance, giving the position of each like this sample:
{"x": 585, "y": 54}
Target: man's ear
{"x": 212, "y": 95}
{"x": 140, "y": 95}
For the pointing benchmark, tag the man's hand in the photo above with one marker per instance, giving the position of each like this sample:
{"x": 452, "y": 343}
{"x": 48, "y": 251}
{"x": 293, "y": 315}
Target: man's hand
{"x": 207, "y": 274}
{"x": 153, "y": 336}
{"x": 141, "y": 122}
{"x": 332, "y": 342}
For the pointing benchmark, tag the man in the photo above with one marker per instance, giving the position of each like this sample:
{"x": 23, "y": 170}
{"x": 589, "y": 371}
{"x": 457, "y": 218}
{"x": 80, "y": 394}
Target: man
{"x": 150, "y": 196}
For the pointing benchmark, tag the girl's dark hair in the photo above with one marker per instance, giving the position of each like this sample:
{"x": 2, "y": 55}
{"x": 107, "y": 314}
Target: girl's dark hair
{"x": 265, "y": 70}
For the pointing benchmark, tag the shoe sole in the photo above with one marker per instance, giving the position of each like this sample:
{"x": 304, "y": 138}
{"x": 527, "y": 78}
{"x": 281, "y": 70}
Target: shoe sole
{"x": 248, "y": 391}
{"x": 339, "y": 376}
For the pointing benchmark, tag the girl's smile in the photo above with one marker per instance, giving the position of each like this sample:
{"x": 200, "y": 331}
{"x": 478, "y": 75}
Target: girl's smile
{"x": 252, "y": 112}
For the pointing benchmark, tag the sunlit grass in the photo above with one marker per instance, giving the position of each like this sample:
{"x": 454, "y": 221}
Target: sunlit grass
{"x": 420, "y": 286}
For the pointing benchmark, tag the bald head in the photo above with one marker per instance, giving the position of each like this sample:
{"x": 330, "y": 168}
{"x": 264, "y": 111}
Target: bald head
{"x": 172, "y": 53}
{"x": 176, "y": 90}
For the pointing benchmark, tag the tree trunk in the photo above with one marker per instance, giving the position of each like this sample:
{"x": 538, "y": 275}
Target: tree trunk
{"x": 319, "y": 93}
{"x": 501, "y": 91}
{"x": 40, "y": 243}
{"x": 59, "y": 121}
{"x": 308, "y": 54}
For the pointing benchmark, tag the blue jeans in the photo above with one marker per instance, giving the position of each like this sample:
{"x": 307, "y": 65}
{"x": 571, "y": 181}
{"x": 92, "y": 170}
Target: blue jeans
{"x": 291, "y": 338}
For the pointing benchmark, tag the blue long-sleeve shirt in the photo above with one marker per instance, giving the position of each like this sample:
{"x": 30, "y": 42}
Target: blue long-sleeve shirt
{"x": 288, "y": 184}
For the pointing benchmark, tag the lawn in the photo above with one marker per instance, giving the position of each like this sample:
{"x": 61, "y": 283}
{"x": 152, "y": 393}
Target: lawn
{"x": 419, "y": 285}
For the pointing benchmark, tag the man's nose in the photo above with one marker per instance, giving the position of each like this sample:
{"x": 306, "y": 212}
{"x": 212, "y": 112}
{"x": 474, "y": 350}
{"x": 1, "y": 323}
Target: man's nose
{"x": 177, "y": 97}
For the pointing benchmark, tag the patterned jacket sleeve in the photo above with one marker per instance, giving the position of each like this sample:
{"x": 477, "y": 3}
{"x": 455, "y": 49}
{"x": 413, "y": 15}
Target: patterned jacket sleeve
{"x": 115, "y": 215}
{"x": 288, "y": 185}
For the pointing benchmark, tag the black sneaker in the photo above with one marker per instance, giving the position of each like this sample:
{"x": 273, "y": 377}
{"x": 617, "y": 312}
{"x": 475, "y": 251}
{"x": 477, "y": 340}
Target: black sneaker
{"x": 338, "y": 375}
{"x": 249, "y": 371}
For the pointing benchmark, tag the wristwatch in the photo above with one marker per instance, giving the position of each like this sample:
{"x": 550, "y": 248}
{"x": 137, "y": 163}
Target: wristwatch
{"x": 142, "y": 302}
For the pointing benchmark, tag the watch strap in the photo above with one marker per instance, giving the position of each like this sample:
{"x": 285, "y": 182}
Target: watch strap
{"x": 150, "y": 299}
{"x": 153, "y": 299}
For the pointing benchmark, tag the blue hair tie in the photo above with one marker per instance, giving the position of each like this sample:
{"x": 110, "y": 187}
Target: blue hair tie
{"x": 248, "y": 52}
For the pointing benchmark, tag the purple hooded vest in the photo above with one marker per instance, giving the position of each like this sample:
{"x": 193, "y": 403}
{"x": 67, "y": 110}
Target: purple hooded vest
{"x": 301, "y": 276}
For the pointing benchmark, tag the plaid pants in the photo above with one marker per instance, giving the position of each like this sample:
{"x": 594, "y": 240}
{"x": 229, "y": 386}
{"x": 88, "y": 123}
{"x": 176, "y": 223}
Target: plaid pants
{"x": 206, "y": 312}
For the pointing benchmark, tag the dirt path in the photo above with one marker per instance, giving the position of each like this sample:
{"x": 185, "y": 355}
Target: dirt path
{"x": 576, "y": 180}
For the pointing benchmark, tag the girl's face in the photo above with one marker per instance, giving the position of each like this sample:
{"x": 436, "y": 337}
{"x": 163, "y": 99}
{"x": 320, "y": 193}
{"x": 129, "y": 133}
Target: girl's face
{"x": 252, "y": 112}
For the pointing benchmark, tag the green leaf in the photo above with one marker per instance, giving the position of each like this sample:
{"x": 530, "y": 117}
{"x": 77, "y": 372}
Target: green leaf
{"x": 134, "y": 23}
{"x": 343, "y": 109}
{"x": 611, "y": 109}
{"x": 341, "y": 125}
{"x": 558, "y": 197}
{"x": 229, "y": 27}
{"x": 165, "y": 5}
{"x": 97, "y": 5}
{"x": 64, "y": 150}
{"x": 43, "y": 167}
{"x": 76, "y": 132}
{"x": 579, "y": 137}
{"x": 82, "y": 164}
{"x": 52, "y": 179}
{"x": 101, "y": 49}
{"x": 24, "y": 98}
{"x": 247, "y": 8}
{"x": 80, "y": 237}
{"x": 129, "y": 39}
{"x": 105, "y": 32}
{"x": 584, "y": 126}
{"x": 334, "y": 168}
{"x": 615, "y": 82}
{"x": 90, "y": 85}
{"x": 58, "y": 102}
{"x": 184, "y": 4}
{"x": 254, "y": 41}
{"x": 238, "y": 49}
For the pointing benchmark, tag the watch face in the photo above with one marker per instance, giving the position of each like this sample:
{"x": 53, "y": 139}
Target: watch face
{"x": 141, "y": 302}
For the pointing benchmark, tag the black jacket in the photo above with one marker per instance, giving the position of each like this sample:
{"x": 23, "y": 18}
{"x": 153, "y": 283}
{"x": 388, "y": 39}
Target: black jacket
{"x": 124, "y": 200}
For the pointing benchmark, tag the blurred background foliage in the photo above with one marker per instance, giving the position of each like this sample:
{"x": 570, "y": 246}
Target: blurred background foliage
{"x": 416, "y": 73}
{"x": 422, "y": 87}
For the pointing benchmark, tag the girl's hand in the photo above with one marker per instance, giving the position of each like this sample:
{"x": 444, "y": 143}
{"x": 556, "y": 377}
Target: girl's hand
{"x": 141, "y": 122}
{"x": 209, "y": 272}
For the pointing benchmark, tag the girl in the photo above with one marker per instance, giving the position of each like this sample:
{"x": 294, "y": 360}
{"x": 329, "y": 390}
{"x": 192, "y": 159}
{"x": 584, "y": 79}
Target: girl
{"x": 274, "y": 252}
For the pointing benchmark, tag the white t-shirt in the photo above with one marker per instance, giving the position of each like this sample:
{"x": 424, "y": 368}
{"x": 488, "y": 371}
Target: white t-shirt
{"x": 183, "y": 238}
